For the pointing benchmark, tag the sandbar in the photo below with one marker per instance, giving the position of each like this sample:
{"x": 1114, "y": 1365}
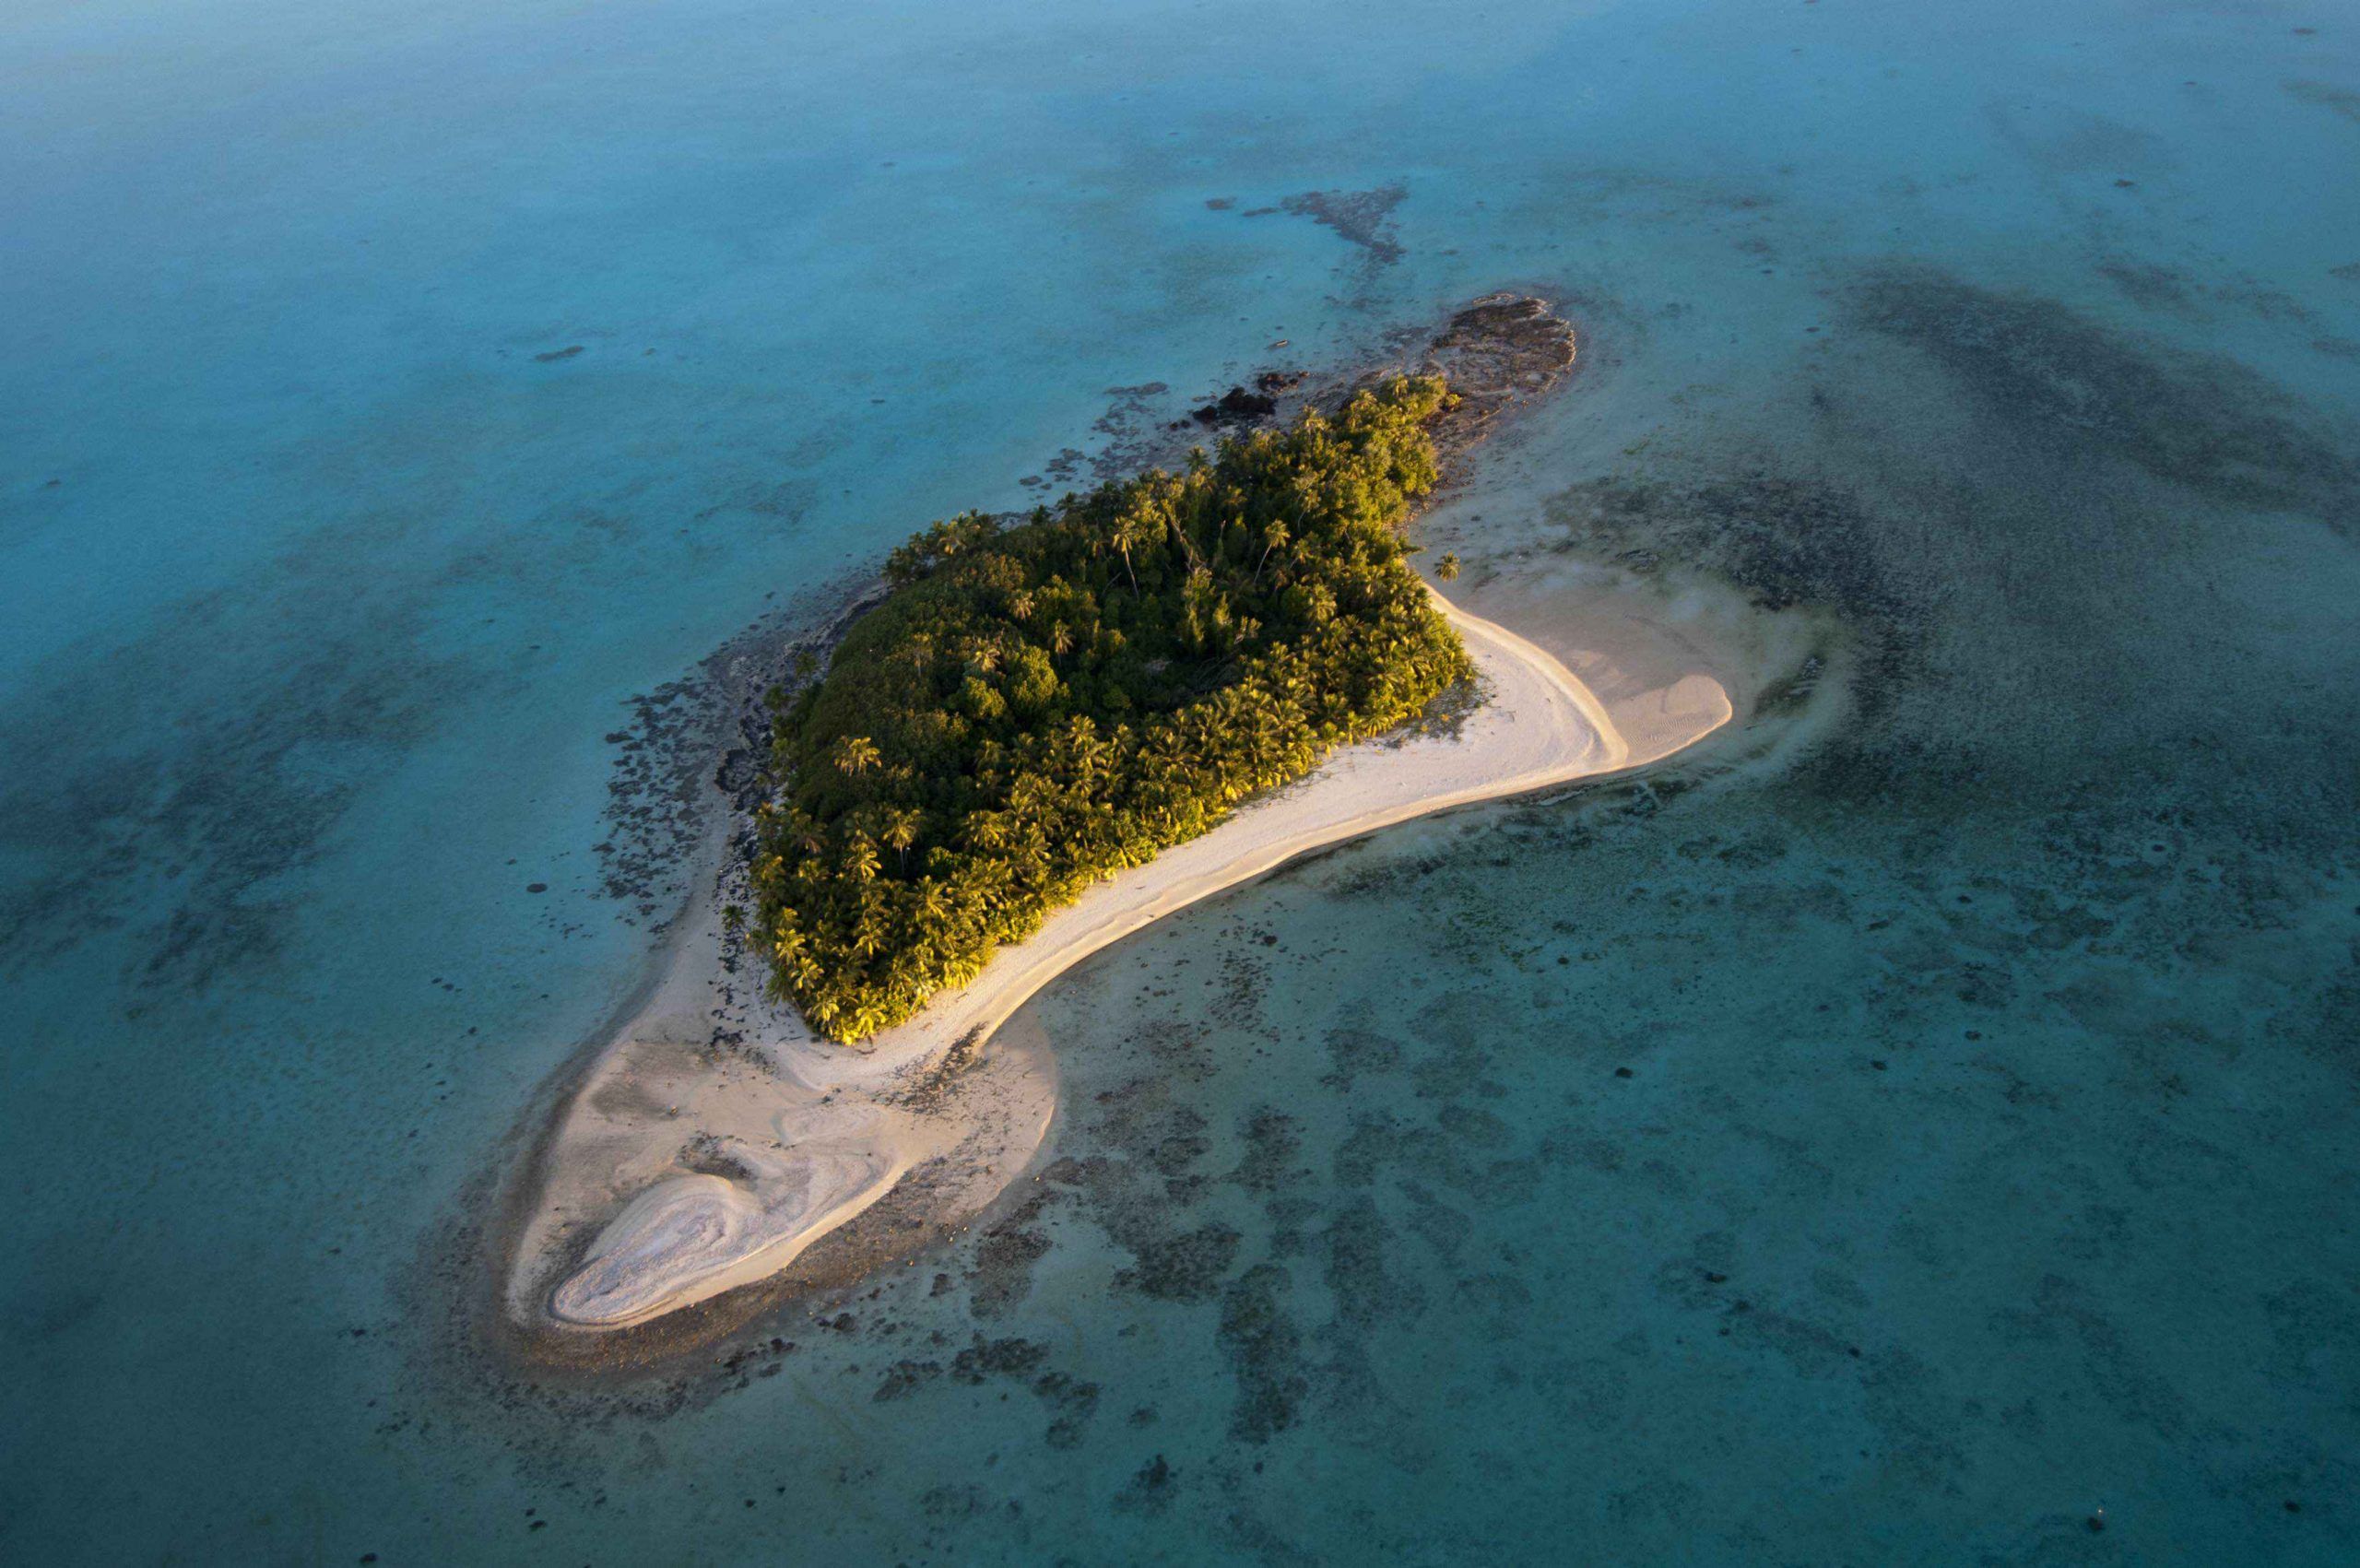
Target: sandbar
{"x": 692, "y": 1158}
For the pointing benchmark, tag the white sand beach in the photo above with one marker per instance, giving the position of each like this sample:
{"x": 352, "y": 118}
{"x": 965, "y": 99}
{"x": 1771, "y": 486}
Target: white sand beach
{"x": 693, "y": 1170}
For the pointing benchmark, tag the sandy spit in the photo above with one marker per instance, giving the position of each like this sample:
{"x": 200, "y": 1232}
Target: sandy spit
{"x": 716, "y": 1139}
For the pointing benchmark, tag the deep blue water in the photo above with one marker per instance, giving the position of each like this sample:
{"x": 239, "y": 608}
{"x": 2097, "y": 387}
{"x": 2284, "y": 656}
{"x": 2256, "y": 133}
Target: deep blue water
{"x": 1989, "y": 1148}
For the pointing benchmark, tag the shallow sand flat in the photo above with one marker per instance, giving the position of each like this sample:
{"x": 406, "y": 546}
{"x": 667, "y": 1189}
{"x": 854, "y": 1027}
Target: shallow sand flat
{"x": 1666, "y": 650}
{"x": 702, "y": 1172}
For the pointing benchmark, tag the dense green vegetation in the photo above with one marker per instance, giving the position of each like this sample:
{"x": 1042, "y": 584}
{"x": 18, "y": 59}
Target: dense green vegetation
{"x": 1035, "y": 707}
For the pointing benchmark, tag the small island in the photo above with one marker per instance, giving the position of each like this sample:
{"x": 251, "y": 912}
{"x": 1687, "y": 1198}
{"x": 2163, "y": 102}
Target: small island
{"x": 1043, "y": 733}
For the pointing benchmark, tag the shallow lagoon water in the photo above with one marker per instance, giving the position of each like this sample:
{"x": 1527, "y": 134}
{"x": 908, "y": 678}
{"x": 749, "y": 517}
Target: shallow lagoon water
{"x": 2002, "y": 1033}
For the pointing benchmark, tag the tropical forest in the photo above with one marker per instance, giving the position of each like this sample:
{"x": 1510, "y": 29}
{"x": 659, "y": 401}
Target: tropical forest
{"x": 1040, "y": 703}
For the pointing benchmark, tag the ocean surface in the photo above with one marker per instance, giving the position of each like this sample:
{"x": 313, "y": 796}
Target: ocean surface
{"x": 1929, "y": 1135}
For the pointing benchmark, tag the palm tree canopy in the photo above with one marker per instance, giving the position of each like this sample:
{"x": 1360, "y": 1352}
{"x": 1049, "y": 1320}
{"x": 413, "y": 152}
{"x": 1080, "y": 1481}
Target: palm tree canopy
{"x": 1037, "y": 705}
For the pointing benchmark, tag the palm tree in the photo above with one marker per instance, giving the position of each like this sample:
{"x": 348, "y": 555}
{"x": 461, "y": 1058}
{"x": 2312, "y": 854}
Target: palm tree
{"x": 1133, "y": 527}
{"x": 1272, "y": 537}
{"x": 867, "y": 937}
{"x": 856, "y": 754}
{"x": 900, "y": 831}
{"x": 860, "y": 858}
{"x": 804, "y": 832}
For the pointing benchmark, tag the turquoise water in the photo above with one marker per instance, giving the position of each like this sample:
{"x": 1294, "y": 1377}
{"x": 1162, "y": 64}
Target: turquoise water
{"x": 1990, "y": 1144}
